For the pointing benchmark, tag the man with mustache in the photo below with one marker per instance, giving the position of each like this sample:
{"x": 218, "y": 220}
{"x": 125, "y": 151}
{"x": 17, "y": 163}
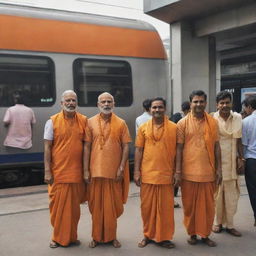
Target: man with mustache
{"x": 64, "y": 138}
{"x": 198, "y": 167}
{"x": 107, "y": 172}
{"x": 153, "y": 172}
{"x": 227, "y": 194}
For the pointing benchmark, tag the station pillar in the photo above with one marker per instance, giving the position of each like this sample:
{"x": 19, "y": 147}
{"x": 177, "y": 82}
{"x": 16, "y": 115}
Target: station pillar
{"x": 192, "y": 64}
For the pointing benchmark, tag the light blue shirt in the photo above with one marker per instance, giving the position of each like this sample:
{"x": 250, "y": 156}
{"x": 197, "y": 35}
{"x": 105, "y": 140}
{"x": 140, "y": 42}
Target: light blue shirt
{"x": 249, "y": 136}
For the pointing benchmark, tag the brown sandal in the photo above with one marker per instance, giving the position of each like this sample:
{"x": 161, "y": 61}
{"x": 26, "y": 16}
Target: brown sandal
{"x": 116, "y": 243}
{"x": 144, "y": 242}
{"x": 93, "y": 244}
{"x": 208, "y": 242}
{"x": 192, "y": 240}
{"x": 167, "y": 244}
{"x": 217, "y": 228}
{"x": 53, "y": 244}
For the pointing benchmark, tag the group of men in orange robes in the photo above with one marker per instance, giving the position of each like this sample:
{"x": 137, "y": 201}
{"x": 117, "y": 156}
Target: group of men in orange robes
{"x": 194, "y": 144}
{"x": 96, "y": 151}
{"x": 86, "y": 160}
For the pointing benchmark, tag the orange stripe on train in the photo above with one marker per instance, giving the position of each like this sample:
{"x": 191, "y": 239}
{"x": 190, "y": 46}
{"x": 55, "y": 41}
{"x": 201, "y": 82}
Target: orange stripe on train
{"x": 32, "y": 34}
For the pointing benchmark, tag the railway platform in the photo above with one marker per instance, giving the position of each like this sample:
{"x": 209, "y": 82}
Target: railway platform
{"x": 25, "y": 229}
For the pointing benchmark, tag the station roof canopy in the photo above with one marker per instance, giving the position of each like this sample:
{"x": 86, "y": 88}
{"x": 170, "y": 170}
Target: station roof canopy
{"x": 171, "y": 11}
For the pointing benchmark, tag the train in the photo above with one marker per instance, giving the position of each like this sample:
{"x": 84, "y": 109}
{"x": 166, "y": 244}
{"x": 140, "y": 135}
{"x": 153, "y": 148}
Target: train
{"x": 44, "y": 52}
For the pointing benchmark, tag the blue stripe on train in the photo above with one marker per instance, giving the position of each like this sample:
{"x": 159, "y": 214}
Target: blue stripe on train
{"x": 22, "y": 158}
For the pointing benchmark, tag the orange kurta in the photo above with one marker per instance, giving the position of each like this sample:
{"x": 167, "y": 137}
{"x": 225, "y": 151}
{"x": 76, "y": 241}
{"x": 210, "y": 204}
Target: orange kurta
{"x": 67, "y": 191}
{"x": 106, "y": 196}
{"x": 198, "y": 172}
{"x": 159, "y": 148}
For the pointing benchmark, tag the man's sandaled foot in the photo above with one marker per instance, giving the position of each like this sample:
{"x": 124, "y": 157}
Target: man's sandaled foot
{"x": 53, "y": 244}
{"x": 233, "y": 232}
{"x": 76, "y": 243}
{"x": 217, "y": 228}
{"x": 208, "y": 242}
{"x": 176, "y": 204}
{"x": 116, "y": 243}
{"x": 93, "y": 244}
{"x": 192, "y": 240}
{"x": 167, "y": 244}
{"x": 144, "y": 242}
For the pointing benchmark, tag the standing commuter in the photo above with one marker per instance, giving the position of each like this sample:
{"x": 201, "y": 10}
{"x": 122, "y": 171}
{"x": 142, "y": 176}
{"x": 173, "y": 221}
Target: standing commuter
{"x": 249, "y": 142}
{"x": 227, "y": 194}
{"x": 107, "y": 172}
{"x": 153, "y": 172}
{"x": 19, "y": 120}
{"x": 198, "y": 167}
{"x": 145, "y": 116}
{"x": 185, "y": 108}
{"x": 64, "y": 139}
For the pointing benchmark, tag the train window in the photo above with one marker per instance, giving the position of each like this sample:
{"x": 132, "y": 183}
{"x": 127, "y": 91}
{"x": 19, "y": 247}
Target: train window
{"x": 93, "y": 76}
{"x": 32, "y": 75}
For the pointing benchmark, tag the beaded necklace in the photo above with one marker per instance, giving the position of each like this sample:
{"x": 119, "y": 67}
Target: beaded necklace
{"x": 103, "y": 138}
{"x": 156, "y": 139}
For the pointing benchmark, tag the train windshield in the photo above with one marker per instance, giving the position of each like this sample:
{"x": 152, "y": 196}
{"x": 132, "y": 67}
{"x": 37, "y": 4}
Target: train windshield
{"x": 93, "y": 76}
{"x": 32, "y": 75}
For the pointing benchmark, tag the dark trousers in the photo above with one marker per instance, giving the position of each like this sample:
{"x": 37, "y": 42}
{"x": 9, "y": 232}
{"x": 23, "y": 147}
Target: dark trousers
{"x": 250, "y": 178}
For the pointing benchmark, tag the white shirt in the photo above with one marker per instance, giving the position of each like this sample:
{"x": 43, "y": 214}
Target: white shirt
{"x": 48, "y": 130}
{"x": 142, "y": 119}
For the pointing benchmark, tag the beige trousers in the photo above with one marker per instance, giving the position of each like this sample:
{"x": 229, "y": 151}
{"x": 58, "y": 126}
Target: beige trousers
{"x": 226, "y": 199}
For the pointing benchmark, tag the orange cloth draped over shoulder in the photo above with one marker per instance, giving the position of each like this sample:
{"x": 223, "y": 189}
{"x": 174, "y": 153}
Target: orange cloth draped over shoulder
{"x": 68, "y": 190}
{"x": 107, "y": 196}
{"x": 198, "y": 172}
{"x": 159, "y": 149}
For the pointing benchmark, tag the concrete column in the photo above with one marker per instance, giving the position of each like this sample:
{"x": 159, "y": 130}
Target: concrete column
{"x": 193, "y": 65}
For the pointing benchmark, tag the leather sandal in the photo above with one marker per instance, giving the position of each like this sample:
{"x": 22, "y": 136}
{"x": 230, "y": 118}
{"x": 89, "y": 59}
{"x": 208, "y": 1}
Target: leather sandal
{"x": 208, "y": 242}
{"x": 93, "y": 244}
{"x": 217, "y": 228}
{"x": 192, "y": 240}
{"x": 53, "y": 244}
{"x": 233, "y": 232}
{"x": 144, "y": 242}
{"x": 116, "y": 243}
{"x": 167, "y": 244}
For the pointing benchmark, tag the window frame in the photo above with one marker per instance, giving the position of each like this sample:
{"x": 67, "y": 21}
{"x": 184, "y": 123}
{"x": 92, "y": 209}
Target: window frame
{"x": 52, "y": 84}
{"x": 77, "y": 63}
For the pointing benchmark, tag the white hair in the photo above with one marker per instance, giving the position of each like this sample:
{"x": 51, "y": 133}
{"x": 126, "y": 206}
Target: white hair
{"x": 67, "y": 92}
{"x": 107, "y": 94}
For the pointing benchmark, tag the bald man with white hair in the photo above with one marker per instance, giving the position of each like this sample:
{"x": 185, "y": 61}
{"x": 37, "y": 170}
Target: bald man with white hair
{"x": 65, "y": 137}
{"x": 107, "y": 171}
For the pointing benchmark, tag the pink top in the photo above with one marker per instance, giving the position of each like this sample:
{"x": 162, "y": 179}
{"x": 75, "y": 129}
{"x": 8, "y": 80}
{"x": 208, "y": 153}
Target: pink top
{"x": 19, "y": 118}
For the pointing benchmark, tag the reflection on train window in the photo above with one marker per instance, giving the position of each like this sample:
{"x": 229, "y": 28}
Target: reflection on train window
{"x": 92, "y": 77}
{"x": 34, "y": 76}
